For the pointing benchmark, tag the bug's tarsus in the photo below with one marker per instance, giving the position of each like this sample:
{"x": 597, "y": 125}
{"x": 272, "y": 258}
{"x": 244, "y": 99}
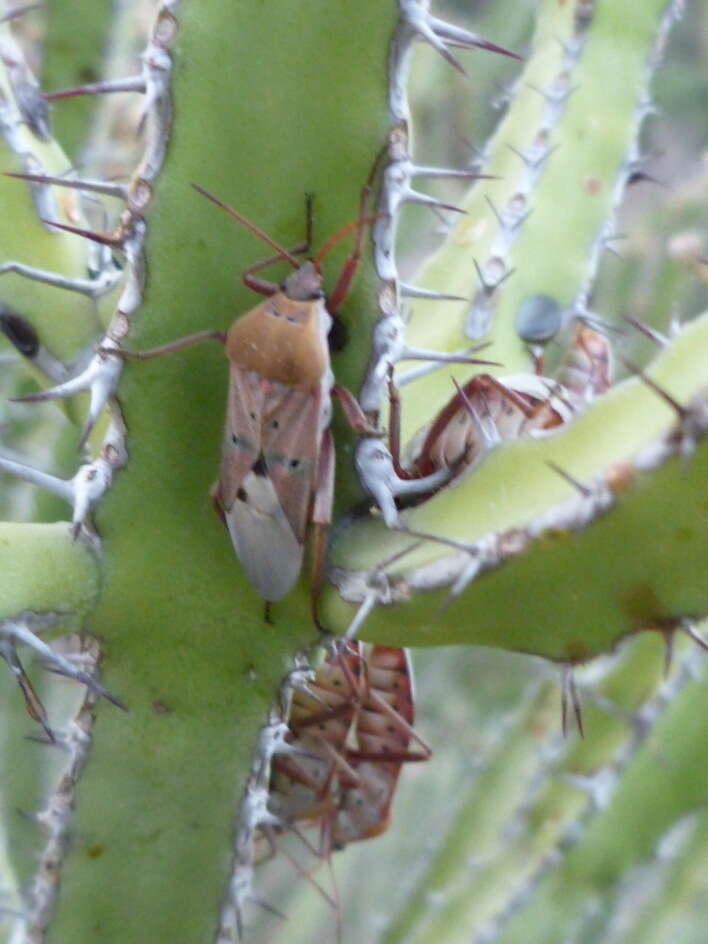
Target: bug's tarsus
{"x": 354, "y": 414}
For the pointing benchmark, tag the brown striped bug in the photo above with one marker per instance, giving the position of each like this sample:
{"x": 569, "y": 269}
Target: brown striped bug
{"x": 487, "y": 410}
{"x": 353, "y": 731}
{"x": 483, "y": 412}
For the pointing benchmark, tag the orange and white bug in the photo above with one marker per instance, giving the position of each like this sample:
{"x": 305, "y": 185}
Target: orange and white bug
{"x": 354, "y": 733}
{"x": 277, "y": 462}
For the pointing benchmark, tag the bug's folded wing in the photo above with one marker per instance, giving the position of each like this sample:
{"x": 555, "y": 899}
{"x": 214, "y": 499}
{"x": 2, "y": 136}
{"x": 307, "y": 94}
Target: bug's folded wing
{"x": 269, "y": 551}
{"x": 291, "y": 452}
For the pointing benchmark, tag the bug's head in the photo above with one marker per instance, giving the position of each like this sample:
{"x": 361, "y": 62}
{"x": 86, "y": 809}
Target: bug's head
{"x": 305, "y": 283}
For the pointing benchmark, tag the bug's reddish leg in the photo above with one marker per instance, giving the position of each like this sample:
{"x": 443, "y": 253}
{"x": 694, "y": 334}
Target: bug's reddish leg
{"x": 170, "y": 348}
{"x": 321, "y": 517}
{"x": 394, "y": 425}
{"x": 537, "y": 355}
{"x": 351, "y": 264}
{"x": 356, "y": 417}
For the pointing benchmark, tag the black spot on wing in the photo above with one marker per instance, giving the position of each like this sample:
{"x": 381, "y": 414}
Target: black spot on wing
{"x": 260, "y": 467}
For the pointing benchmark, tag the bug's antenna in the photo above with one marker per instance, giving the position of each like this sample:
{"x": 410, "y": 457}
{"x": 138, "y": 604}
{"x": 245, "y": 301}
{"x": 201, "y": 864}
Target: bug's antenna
{"x": 249, "y": 226}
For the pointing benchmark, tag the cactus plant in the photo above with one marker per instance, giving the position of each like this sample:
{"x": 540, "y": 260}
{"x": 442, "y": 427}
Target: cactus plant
{"x": 140, "y": 825}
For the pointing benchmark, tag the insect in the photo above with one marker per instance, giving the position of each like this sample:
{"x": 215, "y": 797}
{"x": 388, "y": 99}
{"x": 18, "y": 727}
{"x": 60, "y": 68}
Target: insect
{"x": 354, "y": 732}
{"x": 277, "y": 463}
{"x": 483, "y": 412}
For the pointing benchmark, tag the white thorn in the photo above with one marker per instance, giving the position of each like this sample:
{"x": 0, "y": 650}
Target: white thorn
{"x": 434, "y": 361}
{"x": 131, "y": 83}
{"x": 17, "y": 630}
{"x": 74, "y": 183}
{"x": 414, "y": 196}
{"x": 34, "y": 476}
{"x": 99, "y": 379}
{"x": 93, "y": 287}
{"x": 466, "y": 577}
{"x": 441, "y": 172}
{"x": 412, "y": 291}
{"x": 419, "y": 20}
{"x": 367, "y": 605}
{"x": 455, "y": 34}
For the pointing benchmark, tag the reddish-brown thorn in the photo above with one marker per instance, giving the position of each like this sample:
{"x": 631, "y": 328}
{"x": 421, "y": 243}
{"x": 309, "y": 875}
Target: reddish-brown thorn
{"x": 647, "y": 331}
{"x": 687, "y": 627}
{"x": 568, "y": 689}
{"x": 95, "y": 186}
{"x": 578, "y": 486}
{"x": 105, "y": 239}
{"x": 677, "y": 407}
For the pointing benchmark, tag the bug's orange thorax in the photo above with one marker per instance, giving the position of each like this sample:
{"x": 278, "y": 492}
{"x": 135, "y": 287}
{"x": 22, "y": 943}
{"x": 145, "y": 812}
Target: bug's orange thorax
{"x": 281, "y": 339}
